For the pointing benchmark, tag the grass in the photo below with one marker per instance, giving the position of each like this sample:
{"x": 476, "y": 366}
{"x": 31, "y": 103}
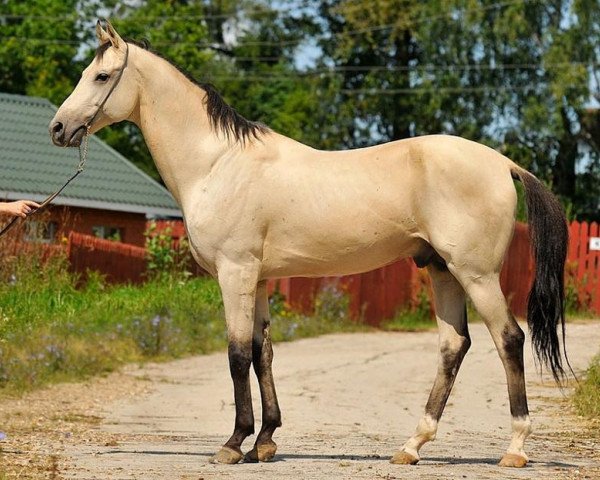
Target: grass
{"x": 54, "y": 328}
{"x": 587, "y": 395}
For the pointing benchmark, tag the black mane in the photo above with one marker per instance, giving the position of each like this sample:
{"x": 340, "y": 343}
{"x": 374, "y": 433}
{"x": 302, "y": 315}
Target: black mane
{"x": 222, "y": 116}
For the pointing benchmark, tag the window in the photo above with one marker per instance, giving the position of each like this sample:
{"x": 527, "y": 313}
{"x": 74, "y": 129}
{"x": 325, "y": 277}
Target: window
{"x": 43, "y": 232}
{"x": 109, "y": 233}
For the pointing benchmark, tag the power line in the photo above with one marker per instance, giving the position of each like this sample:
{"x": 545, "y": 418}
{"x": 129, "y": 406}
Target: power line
{"x": 261, "y": 75}
{"x": 422, "y": 90}
{"x": 322, "y": 36}
{"x": 119, "y": 17}
{"x": 459, "y": 67}
{"x": 355, "y": 68}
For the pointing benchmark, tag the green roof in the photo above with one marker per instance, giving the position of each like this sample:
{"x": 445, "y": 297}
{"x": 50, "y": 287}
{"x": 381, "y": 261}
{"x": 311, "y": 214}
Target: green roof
{"x": 32, "y": 167}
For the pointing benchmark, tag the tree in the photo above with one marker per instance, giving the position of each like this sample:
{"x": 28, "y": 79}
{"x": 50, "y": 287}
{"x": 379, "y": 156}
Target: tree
{"x": 38, "y": 44}
{"x": 515, "y": 74}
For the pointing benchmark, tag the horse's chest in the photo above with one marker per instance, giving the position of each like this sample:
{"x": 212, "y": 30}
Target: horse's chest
{"x": 214, "y": 234}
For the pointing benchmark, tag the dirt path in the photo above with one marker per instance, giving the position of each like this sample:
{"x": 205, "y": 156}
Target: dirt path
{"x": 348, "y": 403}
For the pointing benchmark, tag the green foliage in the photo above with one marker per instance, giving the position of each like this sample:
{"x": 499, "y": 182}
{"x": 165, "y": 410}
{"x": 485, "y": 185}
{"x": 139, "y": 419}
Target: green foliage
{"x": 331, "y": 314}
{"x": 36, "y": 57}
{"x": 518, "y": 76}
{"x": 98, "y": 327}
{"x": 166, "y": 259}
{"x": 578, "y": 300}
{"x": 414, "y": 318}
{"x": 587, "y": 395}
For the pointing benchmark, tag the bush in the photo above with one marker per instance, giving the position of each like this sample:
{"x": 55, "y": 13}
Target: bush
{"x": 166, "y": 258}
{"x": 587, "y": 395}
{"x": 53, "y": 327}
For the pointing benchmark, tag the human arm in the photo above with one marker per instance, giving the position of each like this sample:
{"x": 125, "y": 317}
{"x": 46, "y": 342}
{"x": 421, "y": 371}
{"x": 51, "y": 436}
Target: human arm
{"x": 20, "y": 208}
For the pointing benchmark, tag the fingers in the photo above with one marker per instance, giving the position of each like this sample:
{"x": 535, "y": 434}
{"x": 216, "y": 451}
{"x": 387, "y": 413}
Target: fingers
{"x": 25, "y": 207}
{"x": 22, "y": 208}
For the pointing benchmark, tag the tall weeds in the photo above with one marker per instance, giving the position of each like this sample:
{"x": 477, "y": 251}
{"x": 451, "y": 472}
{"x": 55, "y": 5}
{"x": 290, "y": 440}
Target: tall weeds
{"x": 55, "y": 327}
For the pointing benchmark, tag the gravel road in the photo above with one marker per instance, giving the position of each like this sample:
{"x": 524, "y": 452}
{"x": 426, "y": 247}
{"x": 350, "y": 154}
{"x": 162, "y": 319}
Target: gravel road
{"x": 349, "y": 401}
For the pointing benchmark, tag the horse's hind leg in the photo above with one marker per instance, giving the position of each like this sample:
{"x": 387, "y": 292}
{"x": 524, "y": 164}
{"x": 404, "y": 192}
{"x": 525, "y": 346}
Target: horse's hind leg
{"x": 508, "y": 337}
{"x": 454, "y": 342}
{"x": 262, "y": 358}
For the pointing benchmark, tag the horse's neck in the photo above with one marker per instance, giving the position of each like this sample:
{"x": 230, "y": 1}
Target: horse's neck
{"x": 175, "y": 125}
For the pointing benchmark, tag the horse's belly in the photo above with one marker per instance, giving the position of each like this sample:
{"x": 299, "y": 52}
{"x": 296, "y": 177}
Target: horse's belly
{"x": 336, "y": 252}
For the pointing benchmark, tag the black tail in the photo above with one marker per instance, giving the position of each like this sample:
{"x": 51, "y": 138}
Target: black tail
{"x": 549, "y": 237}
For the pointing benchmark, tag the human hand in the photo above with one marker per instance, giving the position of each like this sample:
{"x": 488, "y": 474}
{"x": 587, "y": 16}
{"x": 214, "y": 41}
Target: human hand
{"x": 20, "y": 208}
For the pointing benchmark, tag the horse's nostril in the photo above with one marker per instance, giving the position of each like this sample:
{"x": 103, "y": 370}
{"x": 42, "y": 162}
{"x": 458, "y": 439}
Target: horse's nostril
{"x": 57, "y": 128}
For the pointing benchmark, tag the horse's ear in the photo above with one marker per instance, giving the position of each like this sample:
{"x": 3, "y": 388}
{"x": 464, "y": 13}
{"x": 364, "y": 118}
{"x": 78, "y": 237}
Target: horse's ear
{"x": 101, "y": 34}
{"x": 108, "y": 35}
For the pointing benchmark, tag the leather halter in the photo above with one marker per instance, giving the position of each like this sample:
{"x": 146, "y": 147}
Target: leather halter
{"x": 82, "y": 152}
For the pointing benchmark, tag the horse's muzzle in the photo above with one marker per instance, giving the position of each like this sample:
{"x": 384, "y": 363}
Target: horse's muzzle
{"x": 59, "y": 136}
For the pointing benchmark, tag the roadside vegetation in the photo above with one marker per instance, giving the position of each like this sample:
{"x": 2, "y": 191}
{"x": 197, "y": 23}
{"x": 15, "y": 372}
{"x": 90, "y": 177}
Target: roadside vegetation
{"x": 57, "y": 326}
{"x": 587, "y": 395}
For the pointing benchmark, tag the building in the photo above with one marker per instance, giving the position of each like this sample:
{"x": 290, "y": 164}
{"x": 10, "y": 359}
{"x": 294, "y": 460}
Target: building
{"x": 111, "y": 199}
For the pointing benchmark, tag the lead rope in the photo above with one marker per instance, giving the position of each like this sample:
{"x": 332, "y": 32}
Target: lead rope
{"x": 83, "y": 151}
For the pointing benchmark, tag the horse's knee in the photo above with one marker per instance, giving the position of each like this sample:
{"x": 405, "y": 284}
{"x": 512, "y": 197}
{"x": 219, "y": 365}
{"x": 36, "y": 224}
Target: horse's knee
{"x": 240, "y": 358}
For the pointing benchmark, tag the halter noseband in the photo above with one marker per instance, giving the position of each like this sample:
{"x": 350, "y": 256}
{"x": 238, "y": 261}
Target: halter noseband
{"x": 82, "y": 153}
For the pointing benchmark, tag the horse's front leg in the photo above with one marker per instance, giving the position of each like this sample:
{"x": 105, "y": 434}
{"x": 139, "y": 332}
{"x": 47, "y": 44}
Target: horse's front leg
{"x": 238, "y": 287}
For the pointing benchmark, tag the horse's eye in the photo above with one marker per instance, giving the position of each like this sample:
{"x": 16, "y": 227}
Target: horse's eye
{"x": 102, "y": 77}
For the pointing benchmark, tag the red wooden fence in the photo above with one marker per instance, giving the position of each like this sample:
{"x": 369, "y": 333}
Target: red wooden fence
{"x": 517, "y": 272}
{"x": 119, "y": 262}
{"x": 583, "y": 265}
{"x": 377, "y": 295}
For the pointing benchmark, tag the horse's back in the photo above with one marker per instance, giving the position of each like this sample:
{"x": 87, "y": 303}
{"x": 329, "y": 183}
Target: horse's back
{"x": 339, "y": 212}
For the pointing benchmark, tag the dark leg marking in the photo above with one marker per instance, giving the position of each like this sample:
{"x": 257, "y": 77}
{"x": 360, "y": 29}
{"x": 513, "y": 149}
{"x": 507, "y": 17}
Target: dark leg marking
{"x": 239, "y": 366}
{"x": 451, "y": 358}
{"x": 442, "y": 386}
{"x": 454, "y": 342}
{"x": 262, "y": 354}
{"x": 513, "y": 339}
{"x": 262, "y": 359}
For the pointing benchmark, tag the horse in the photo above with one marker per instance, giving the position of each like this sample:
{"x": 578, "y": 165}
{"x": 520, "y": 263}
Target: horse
{"x": 258, "y": 205}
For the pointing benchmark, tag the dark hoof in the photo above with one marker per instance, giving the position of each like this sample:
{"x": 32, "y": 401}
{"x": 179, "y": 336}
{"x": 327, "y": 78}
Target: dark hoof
{"x": 227, "y": 455}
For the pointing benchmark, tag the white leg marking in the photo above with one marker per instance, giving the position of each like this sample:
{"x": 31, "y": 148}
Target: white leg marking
{"x": 426, "y": 430}
{"x": 521, "y": 427}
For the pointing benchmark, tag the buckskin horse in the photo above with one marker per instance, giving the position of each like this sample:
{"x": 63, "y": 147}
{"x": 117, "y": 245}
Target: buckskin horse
{"x": 258, "y": 205}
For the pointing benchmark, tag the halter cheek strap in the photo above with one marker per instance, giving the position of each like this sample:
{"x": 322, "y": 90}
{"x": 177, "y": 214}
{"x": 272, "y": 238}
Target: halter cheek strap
{"x": 88, "y": 124}
{"x": 82, "y": 152}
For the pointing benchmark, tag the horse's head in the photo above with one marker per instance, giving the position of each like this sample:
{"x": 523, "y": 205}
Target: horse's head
{"x": 105, "y": 94}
